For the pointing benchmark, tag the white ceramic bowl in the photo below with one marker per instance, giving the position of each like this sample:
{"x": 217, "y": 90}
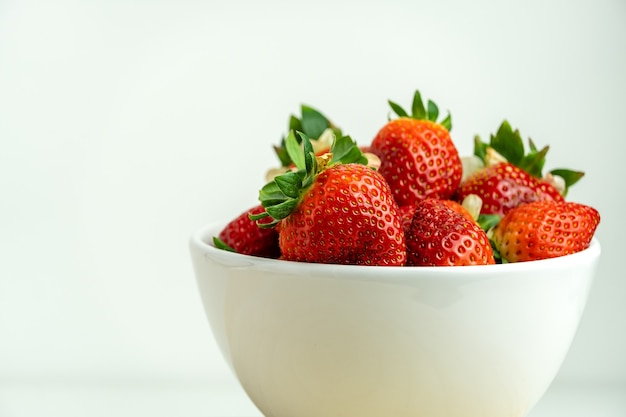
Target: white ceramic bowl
{"x": 314, "y": 340}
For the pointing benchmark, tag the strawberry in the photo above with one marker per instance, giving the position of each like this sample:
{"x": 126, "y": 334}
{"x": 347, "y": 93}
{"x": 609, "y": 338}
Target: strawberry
{"x": 406, "y": 217}
{"x": 460, "y": 209}
{"x": 544, "y": 229}
{"x": 243, "y": 235}
{"x": 418, "y": 158}
{"x": 407, "y": 212}
{"x": 334, "y": 209}
{"x": 511, "y": 177}
{"x": 504, "y": 186}
{"x": 439, "y": 236}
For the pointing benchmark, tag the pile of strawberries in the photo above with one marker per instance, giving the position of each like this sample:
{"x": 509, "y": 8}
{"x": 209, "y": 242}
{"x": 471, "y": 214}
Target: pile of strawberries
{"x": 409, "y": 199}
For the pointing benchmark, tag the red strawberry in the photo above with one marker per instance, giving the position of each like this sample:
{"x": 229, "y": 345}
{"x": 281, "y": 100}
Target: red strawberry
{"x": 243, "y": 235}
{"x": 418, "y": 158}
{"x": 406, "y": 217}
{"x": 510, "y": 176}
{"x": 504, "y": 186}
{"x": 458, "y": 207}
{"x": 334, "y": 211}
{"x": 545, "y": 229}
{"x": 407, "y": 212}
{"x": 439, "y": 236}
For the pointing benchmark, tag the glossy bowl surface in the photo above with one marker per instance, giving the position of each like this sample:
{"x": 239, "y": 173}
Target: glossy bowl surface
{"x": 311, "y": 340}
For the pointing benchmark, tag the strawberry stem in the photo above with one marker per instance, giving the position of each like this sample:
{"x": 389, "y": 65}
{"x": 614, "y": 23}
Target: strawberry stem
{"x": 312, "y": 123}
{"x": 510, "y": 145}
{"x": 421, "y": 112}
{"x": 282, "y": 195}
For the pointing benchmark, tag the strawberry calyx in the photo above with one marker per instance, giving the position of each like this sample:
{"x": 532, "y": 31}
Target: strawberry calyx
{"x": 315, "y": 125}
{"x": 507, "y": 145}
{"x": 420, "y": 112}
{"x": 282, "y": 195}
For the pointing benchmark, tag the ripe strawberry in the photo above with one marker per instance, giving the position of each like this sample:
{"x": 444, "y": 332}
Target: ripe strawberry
{"x": 418, "y": 158}
{"x": 545, "y": 229}
{"x": 407, "y": 212}
{"x": 504, "y": 186}
{"x": 457, "y": 207}
{"x": 406, "y": 217}
{"x": 439, "y": 236}
{"x": 510, "y": 177}
{"x": 243, "y": 235}
{"x": 334, "y": 209}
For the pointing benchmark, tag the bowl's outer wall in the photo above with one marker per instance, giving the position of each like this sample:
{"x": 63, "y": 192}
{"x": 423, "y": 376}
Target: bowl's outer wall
{"x": 329, "y": 342}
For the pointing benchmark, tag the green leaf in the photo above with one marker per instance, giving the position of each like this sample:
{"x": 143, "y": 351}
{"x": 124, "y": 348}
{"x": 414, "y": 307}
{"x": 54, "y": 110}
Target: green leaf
{"x": 282, "y": 154}
{"x": 571, "y": 177}
{"x": 487, "y": 221}
{"x": 294, "y": 123}
{"x": 346, "y": 151}
{"x": 258, "y": 216}
{"x": 280, "y": 196}
{"x": 340, "y": 147}
{"x": 271, "y": 194}
{"x": 310, "y": 161}
{"x": 496, "y": 253}
{"x": 447, "y": 122}
{"x": 417, "y": 108}
{"x": 309, "y": 155}
{"x": 397, "y": 109}
{"x": 289, "y": 183}
{"x": 282, "y": 210}
{"x": 294, "y": 150}
{"x": 533, "y": 162}
{"x": 433, "y": 111}
{"x": 480, "y": 148}
{"x": 419, "y": 112}
{"x": 508, "y": 143}
{"x": 276, "y": 202}
{"x": 219, "y": 244}
{"x": 268, "y": 225}
{"x": 313, "y": 122}
{"x": 306, "y": 142}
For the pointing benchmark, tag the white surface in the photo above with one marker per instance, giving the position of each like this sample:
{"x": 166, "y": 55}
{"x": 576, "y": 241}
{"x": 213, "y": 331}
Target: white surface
{"x": 189, "y": 398}
{"x": 116, "y": 116}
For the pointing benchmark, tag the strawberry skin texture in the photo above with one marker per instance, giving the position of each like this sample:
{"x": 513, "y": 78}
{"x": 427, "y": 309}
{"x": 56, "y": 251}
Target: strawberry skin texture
{"x": 246, "y": 237}
{"x": 418, "y": 160}
{"x": 347, "y": 216}
{"x": 458, "y": 207}
{"x": 545, "y": 229}
{"x": 406, "y": 217}
{"x": 439, "y": 236}
{"x": 407, "y": 212}
{"x": 504, "y": 186}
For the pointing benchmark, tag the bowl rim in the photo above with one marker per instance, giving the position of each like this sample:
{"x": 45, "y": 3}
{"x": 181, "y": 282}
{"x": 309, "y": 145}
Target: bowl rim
{"x": 200, "y": 242}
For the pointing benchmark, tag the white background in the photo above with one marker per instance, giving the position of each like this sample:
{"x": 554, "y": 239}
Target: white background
{"x": 126, "y": 125}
